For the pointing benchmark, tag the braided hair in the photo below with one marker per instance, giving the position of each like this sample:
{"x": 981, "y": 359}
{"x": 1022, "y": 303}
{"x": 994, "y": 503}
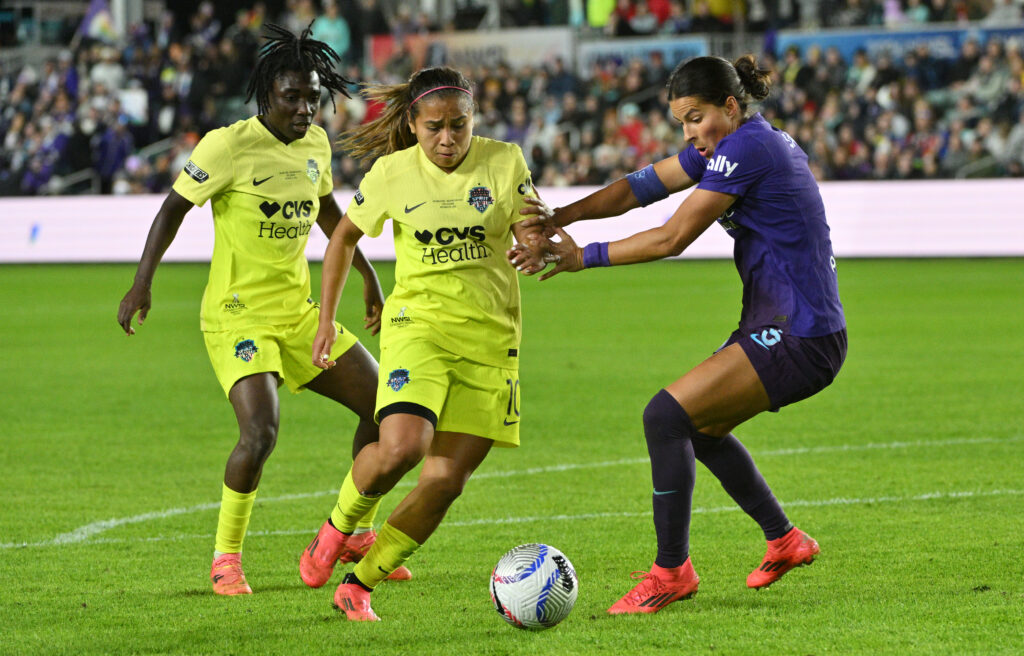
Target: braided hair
{"x": 284, "y": 52}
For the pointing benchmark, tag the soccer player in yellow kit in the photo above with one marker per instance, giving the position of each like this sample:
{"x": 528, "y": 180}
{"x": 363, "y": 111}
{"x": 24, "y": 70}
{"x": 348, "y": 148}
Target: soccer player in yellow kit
{"x": 269, "y": 180}
{"x": 449, "y": 383}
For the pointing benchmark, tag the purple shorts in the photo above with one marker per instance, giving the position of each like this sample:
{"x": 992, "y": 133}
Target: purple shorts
{"x": 791, "y": 368}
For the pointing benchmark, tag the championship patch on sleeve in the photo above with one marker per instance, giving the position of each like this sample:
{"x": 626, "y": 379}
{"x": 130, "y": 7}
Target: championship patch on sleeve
{"x": 196, "y": 173}
{"x": 359, "y": 197}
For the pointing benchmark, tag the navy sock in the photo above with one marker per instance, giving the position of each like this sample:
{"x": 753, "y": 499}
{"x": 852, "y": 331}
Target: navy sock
{"x": 729, "y": 461}
{"x": 673, "y": 469}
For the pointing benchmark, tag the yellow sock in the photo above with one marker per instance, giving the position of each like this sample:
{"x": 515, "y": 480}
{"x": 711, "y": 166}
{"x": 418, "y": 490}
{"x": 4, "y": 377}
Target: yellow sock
{"x": 391, "y": 550}
{"x": 366, "y": 522}
{"x": 235, "y": 509}
{"x": 352, "y": 506}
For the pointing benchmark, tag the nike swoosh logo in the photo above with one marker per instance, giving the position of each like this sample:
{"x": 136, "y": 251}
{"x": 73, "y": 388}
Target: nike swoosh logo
{"x": 257, "y": 183}
{"x": 382, "y": 569}
{"x": 660, "y": 493}
{"x": 409, "y": 209}
{"x": 510, "y": 423}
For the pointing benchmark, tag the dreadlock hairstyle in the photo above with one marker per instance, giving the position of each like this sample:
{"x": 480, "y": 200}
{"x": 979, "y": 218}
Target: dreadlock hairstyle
{"x": 713, "y": 80}
{"x": 284, "y": 52}
{"x": 390, "y": 132}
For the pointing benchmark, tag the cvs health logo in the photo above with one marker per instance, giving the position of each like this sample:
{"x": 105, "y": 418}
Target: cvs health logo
{"x": 446, "y": 236}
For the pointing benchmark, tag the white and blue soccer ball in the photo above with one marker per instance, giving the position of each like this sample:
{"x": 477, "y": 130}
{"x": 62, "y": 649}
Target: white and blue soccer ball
{"x": 534, "y": 586}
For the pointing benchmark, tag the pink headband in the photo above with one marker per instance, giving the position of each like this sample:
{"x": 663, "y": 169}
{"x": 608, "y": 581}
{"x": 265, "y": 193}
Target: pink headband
{"x": 438, "y": 89}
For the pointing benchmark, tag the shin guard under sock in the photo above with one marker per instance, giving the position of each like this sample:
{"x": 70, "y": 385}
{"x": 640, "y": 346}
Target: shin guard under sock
{"x": 673, "y": 469}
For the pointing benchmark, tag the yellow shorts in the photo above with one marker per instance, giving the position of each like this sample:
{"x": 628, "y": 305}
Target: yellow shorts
{"x": 286, "y": 350}
{"x": 465, "y": 396}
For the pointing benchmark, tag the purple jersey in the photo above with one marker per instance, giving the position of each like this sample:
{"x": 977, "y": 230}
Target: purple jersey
{"x": 782, "y": 252}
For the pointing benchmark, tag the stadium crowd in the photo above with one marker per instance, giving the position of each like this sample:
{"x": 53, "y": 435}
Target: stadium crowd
{"x": 917, "y": 116}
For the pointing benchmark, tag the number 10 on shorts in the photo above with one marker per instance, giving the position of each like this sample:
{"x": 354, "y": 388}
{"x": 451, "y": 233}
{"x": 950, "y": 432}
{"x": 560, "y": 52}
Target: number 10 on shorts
{"x": 512, "y": 409}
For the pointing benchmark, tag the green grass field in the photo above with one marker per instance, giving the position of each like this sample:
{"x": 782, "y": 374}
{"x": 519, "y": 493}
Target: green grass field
{"x": 907, "y": 470}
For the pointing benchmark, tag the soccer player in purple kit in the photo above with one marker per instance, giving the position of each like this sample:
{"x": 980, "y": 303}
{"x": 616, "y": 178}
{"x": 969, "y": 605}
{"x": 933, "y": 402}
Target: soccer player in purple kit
{"x": 754, "y": 181}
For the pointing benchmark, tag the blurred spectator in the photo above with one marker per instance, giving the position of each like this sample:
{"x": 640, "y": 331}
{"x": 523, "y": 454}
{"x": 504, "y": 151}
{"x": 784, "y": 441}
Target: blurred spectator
{"x": 332, "y": 28}
{"x": 618, "y": 23}
{"x": 644, "y": 22}
{"x": 987, "y": 83}
{"x": 677, "y": 21}
{"x": 1013, "y": 155}
{"x": 111, "y": 151}
{"x": 297, "y": 15}
{"x": 561, "y": 80}
{"x": 702, "y": 21}
{"x": 1004, "y": 12}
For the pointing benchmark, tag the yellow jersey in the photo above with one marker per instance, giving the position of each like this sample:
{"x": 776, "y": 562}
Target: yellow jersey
{"x": 453, "y": 285}
{"x": 266, "y": 197}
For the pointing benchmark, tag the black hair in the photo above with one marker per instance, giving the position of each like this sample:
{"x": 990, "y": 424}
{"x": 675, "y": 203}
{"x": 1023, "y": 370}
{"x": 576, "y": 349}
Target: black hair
{"x": 713, "y": 80}
{"x": 389, "y": 132}
{"x": 284, "y": 52}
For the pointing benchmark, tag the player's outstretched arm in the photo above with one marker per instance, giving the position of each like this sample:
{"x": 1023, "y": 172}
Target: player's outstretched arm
{"x": 165, "y": 226}
{"x": 373, "y": 295}
{"x": 635, "y": 190}
{"x": 337, "y": 262}
{"x": 694, "y": 216}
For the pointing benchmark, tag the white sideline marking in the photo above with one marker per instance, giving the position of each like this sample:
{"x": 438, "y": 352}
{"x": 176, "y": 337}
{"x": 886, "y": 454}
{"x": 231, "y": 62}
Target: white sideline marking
{"x": 495, "y": 521}
{"x": 84, "y": 533}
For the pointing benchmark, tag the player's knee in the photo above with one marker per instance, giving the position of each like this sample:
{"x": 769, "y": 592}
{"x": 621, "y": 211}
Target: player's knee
{"x": 259, "y": 438}
{"x": 400, "y": 457}
{"x": 663, "y": 413}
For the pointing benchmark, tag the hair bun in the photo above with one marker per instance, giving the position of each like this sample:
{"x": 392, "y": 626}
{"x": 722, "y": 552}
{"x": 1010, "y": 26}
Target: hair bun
{"x": 756, "y": 81}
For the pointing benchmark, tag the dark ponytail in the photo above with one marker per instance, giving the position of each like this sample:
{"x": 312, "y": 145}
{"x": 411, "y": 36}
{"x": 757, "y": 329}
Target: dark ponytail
{"x": 713, "y": 80}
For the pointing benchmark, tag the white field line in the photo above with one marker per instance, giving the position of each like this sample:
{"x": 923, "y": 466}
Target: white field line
{"x": 495, "y": 521}
{"x": 88, "y": 531}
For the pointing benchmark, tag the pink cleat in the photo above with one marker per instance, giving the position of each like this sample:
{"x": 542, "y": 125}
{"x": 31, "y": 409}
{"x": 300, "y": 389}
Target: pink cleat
{"x": 227, "y": 575}
{"x": 331, "y": 546}
{"x": 794, "y": 549}
{"x": 354, "y": 600}
{"x": 659, "y": 587}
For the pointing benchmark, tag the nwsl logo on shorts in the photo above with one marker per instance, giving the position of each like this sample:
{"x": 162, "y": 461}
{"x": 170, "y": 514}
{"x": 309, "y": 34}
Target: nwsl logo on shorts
{"x": 480, "y": 198}
{"x": 246, "y": 350}
{"x": 398, "y": 378}
{"x": 768, "y": 338}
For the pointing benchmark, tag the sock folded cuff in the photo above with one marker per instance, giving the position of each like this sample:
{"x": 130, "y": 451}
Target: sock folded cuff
{"x": 389, "y": 552}
{"x": 228, "y": 493}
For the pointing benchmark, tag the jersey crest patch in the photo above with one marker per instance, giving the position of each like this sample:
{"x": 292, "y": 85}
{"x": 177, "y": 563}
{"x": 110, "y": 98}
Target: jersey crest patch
{"x": 398, "y": 378}
{"x": 196, "y": 173}
{"x": 312, "y": 170}
{"x": 480, "y": 198}
{"x": 246, "y": 350}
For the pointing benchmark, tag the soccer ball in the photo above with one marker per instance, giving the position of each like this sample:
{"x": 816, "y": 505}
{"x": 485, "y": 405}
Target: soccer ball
{"x": 534, "y": 586}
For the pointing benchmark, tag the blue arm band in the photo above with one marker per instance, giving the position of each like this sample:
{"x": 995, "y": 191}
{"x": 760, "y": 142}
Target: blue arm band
{"x": 595, "y": 254}
{"x": 647, "y": 186}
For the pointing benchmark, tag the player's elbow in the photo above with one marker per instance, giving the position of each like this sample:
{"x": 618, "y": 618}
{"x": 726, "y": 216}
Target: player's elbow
{"x": 670, "y": 245}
